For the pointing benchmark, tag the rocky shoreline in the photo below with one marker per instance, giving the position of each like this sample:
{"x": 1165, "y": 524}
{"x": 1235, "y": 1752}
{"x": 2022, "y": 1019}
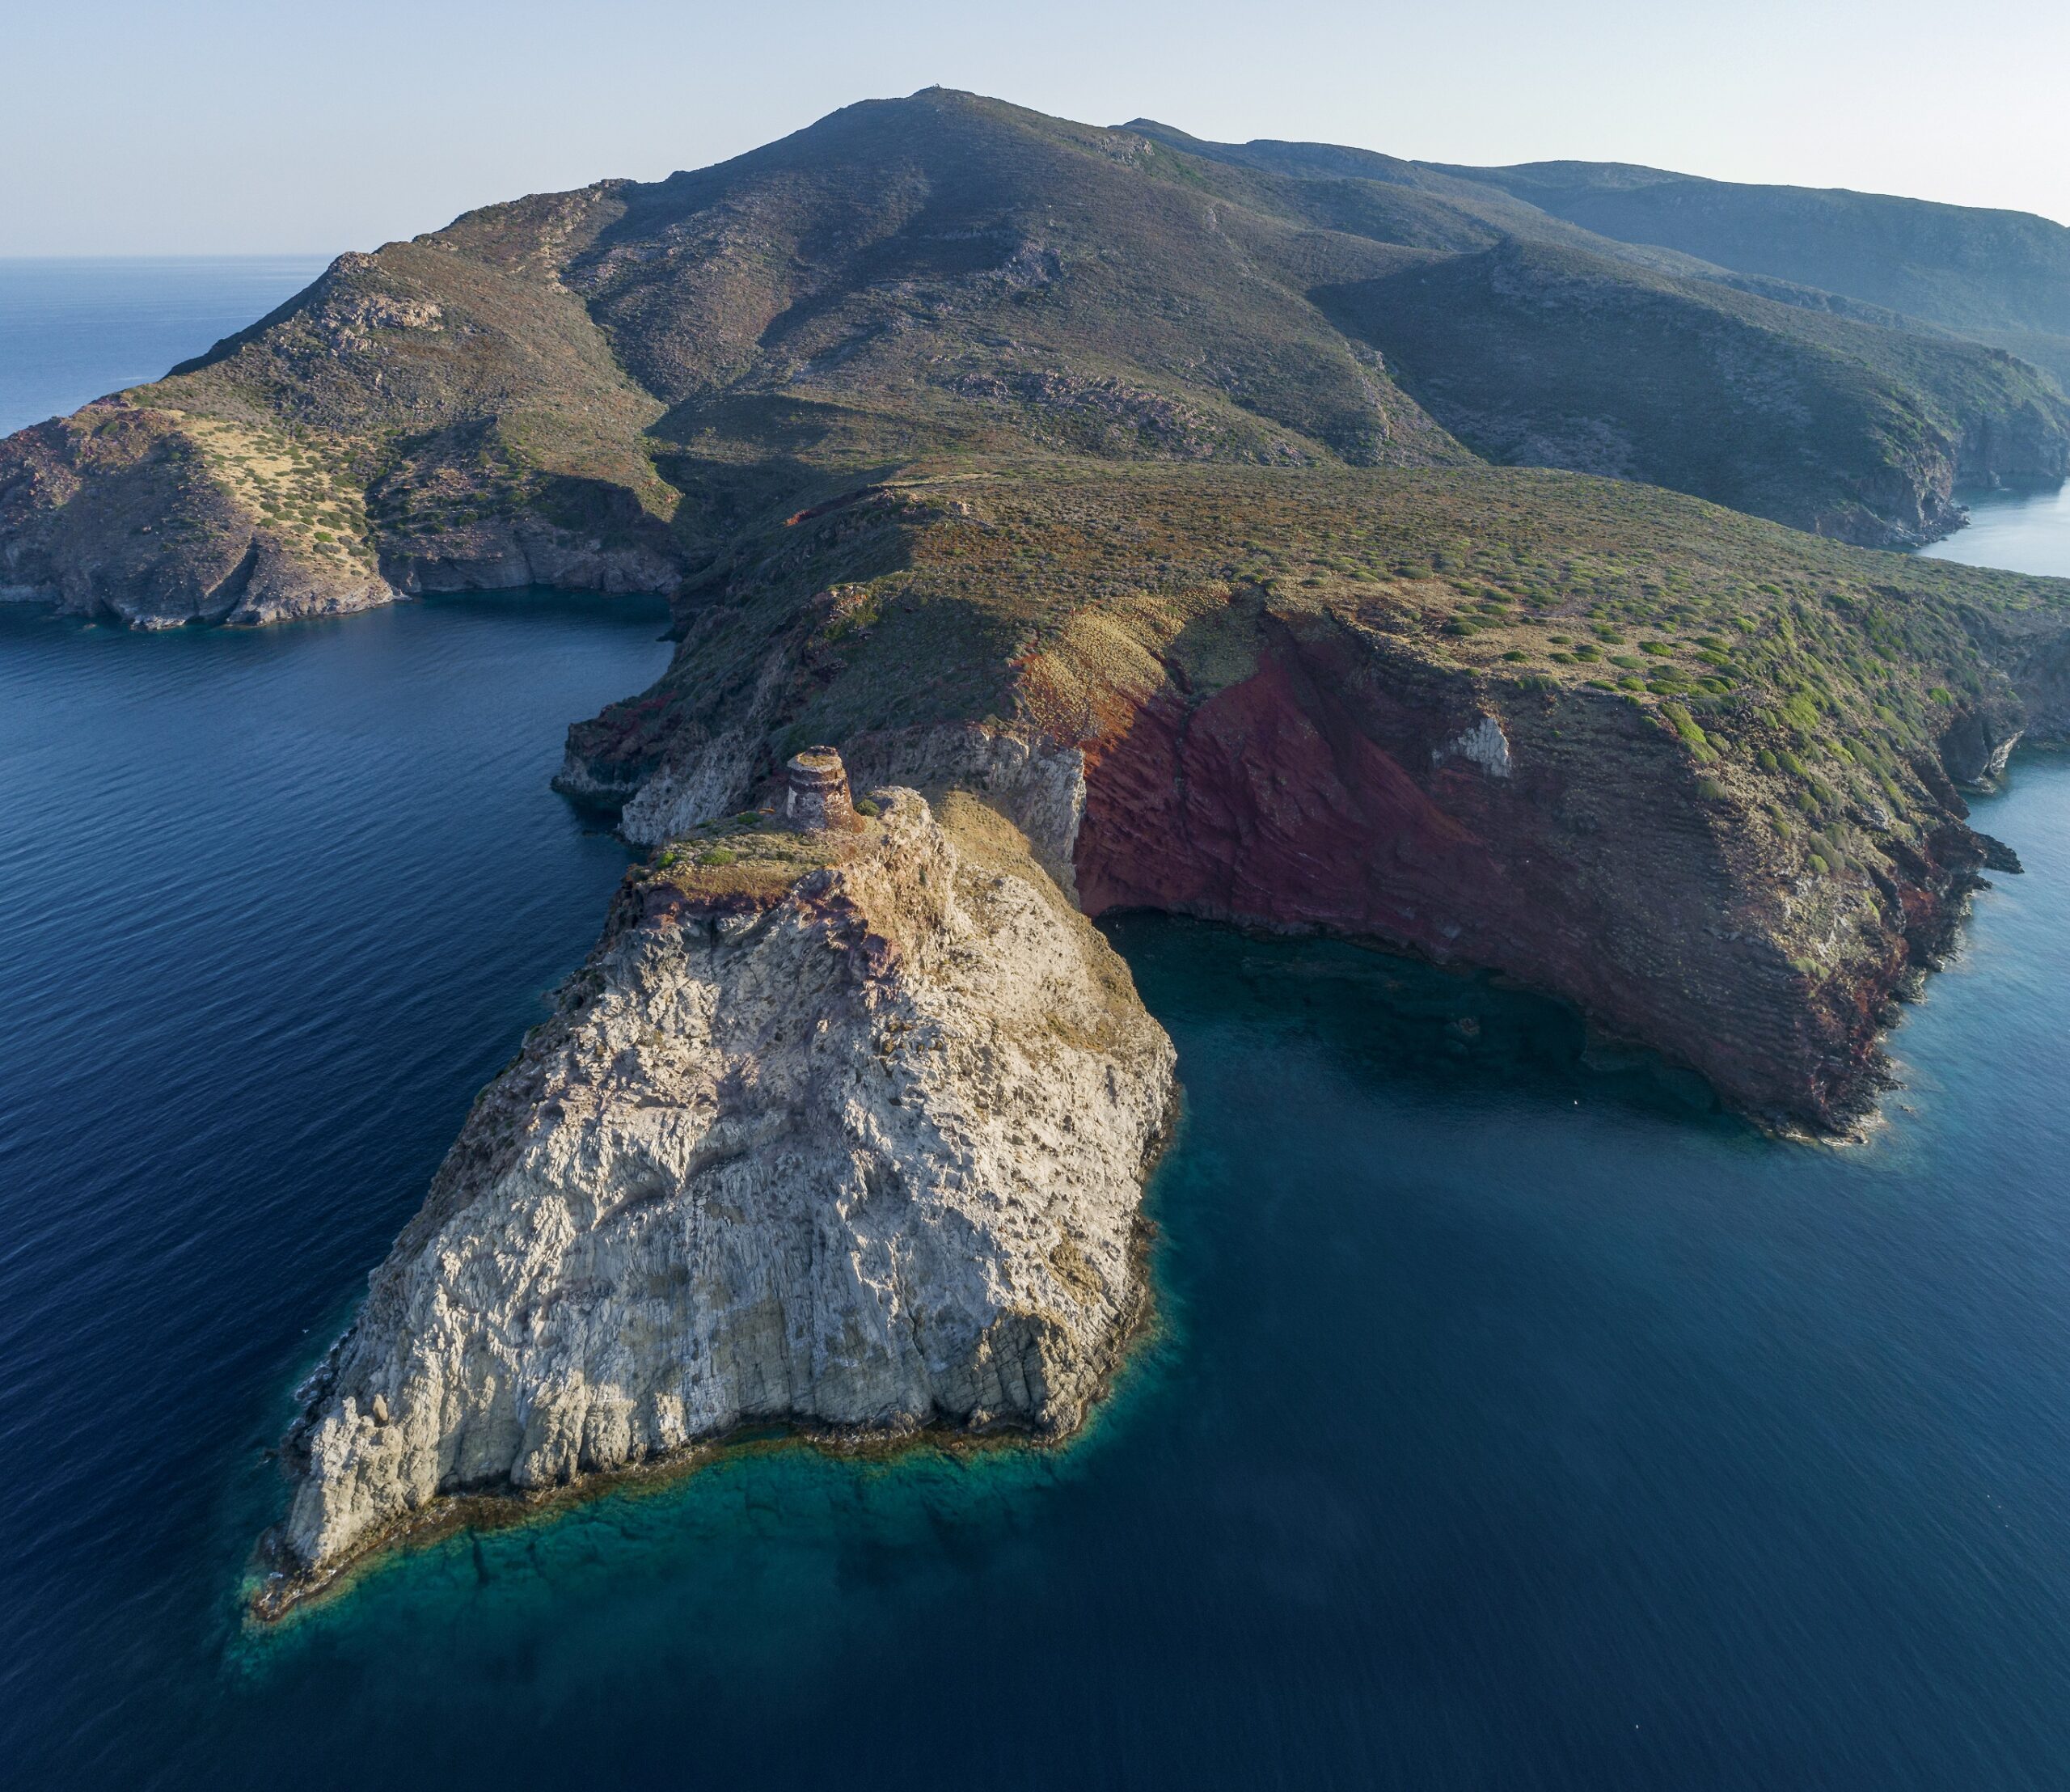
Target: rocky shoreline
{"x": 279, "y": 1586}
{"x": 842, "y": 1129}
{"x": 1083, "y": 484}
{"x": 500, "y": 1366}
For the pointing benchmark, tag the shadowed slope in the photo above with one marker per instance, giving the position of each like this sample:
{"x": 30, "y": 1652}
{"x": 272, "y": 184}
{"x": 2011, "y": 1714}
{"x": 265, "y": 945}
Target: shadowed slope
{"x": 1967, "y": 267}
{"x": 1869, "y": 451}
{"x": 1551, "y": 356}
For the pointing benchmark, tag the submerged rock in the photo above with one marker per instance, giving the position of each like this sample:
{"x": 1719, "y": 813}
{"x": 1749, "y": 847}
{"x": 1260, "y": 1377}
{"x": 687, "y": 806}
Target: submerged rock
{"x": 843, "y": 1130}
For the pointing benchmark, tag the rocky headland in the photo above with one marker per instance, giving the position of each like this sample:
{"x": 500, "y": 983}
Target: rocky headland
{"x": 1699, "y": 777}
{"x": 842, "y": 1127}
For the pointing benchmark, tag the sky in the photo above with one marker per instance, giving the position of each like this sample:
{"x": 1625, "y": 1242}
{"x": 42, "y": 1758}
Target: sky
{"x": 221, "y": 126}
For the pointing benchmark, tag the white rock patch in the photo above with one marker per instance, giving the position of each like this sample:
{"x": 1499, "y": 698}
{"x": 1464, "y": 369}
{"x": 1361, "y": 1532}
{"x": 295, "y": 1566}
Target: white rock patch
{"x": 1484, "y": 745}
{"x": 865, "y": 1154}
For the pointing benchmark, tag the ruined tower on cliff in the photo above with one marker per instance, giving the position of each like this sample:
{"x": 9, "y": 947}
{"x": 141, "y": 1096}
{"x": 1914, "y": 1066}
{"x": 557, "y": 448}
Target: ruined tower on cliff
{"x": 816, "y": 798}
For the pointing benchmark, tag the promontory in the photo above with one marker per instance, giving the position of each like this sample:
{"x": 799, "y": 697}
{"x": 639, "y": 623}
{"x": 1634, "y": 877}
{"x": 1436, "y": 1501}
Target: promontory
{"x": 1290, "y": 536}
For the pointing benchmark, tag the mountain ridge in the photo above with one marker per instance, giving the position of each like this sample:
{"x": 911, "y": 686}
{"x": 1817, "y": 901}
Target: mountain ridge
{"x": 559, "y": 386}
{"x": 1994, "y": 274}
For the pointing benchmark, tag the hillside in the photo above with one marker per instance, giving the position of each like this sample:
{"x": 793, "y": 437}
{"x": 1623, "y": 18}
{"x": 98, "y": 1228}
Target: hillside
{"x": 1476, "y": 711}
{"x": 587, "y": 388}
{"x": 1142, "y": 487}
{"x": 2000, "y": 277}
{"x": 1868, "y": 429}
{"x": 1538, "y": 355}
{"x": 1990, "y": 274}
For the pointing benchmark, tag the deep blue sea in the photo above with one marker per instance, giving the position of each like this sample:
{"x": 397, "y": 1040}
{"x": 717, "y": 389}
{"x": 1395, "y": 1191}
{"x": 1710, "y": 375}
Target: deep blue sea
{"x": 73, "y": 331}
{"x": 1511, "y": 1424}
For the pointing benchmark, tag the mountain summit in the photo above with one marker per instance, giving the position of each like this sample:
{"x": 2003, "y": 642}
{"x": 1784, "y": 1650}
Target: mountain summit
{"x": 579, "y": 387}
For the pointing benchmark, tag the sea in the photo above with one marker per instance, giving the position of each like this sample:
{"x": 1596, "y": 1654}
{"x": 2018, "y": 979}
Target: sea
{"x": 1511, "y": 1421}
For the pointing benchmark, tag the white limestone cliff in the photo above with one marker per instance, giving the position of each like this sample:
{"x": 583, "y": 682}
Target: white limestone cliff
{"x": 845, "y": 1131}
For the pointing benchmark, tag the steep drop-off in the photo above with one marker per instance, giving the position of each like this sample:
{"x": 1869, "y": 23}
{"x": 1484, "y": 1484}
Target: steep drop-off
{"x": 1140, "y": 488}
{"x": 841, "y": 1129}
{"x": 1337, "y": 788}
{"x": 1696, "y": 775}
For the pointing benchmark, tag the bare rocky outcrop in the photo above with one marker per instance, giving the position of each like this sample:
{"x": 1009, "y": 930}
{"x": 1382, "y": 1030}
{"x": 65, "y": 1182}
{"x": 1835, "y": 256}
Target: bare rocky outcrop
{"x": 509, "y": 553}
{"x": 1036, "y": 781}
{"x": 704, "y": 774}
{"x": 843, "y": 1130}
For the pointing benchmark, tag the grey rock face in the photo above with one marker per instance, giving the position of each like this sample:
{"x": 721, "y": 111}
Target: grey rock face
{"x": 712, "y": 776}
{"x": 508, "y": 553}
{"x": 1037, "y": 783}
{"x": 856, "y": 1147}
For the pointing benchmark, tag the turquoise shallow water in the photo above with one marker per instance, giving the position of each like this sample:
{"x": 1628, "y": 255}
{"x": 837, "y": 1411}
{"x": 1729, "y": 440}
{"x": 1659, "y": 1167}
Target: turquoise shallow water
{"x": 1510, "y": 1423}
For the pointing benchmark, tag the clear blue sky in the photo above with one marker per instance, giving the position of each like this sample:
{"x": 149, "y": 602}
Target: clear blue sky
{"x": 216, "y": 125}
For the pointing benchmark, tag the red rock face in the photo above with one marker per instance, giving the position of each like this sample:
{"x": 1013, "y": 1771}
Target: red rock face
{"x": 1332, "y": 790}
{"x": 1246, "y": 808}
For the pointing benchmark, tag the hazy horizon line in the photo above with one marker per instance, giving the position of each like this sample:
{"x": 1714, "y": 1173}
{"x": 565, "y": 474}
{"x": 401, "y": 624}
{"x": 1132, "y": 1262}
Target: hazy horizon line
{"x": 1444, "y": 165}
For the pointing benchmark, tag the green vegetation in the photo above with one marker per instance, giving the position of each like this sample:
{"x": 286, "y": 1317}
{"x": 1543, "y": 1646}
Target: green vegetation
{"x": 752, "y": 856}
{"x": 649, "y": 368}
{"x": 1533, "y": 353}
{"x": 2000, "y": 277}
{"x": 1801, "y": 677}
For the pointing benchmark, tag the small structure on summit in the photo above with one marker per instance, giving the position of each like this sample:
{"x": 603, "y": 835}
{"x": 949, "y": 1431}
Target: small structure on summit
{"x": 816, "y": 799}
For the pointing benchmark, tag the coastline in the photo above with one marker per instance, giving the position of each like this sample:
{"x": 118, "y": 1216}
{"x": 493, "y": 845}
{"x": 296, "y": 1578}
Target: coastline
{"x": 271, "y": 1596}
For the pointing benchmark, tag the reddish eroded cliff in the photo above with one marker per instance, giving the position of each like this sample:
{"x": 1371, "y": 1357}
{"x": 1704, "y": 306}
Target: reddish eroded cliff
{"x": 1563, "y": 838}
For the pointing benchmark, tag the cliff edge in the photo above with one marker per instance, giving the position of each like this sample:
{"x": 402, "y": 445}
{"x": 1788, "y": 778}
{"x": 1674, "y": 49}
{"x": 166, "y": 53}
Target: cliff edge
{"x": 843, "y": 1129}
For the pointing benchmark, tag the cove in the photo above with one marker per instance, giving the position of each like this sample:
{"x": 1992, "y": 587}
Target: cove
{"x": 1509, "y": 1421}
{"x": 2022, "y": 530}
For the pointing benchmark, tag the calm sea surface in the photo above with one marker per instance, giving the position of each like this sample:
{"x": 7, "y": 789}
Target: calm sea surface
{"x": 2025, "y": 532}
{"x": 1511, "y": 1424}
{"x": 72, "y": 331}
